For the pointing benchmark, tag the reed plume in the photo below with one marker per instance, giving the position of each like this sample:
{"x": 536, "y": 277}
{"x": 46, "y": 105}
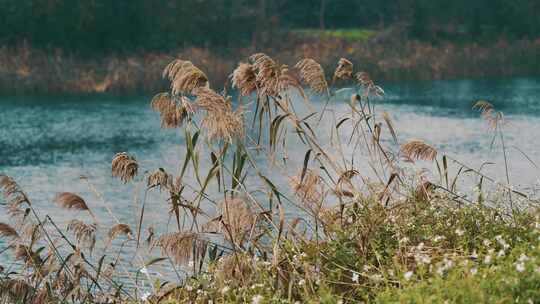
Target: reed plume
{"x": 182, "y": 247}
{"x": 312, "y": 73}
{"x": 6, "y": 231}
{"x": 24, "y": 253}
{"x": 487, "y": 110}
{"x": 70, "y": 200}
{"x": 419, "y": 150}
{"x": 287, "y": 80}
{"x": 344, "y": 69}
{"x": 370, "y": 88}
{"x": 244, "y": 79}
{"x": 84, "y": 233}
{"x": 161, "y": 102}
{"x": 120, "y": 229}
{"x": 309, "y": 189}
{"x": 13, "y": 194}
{"x": 267, "y": 73}
{"x": 220, "y": 122}
{"x": 184, "y": 77}
{"x": 161, "y": 179}
{"x": 124, "y": 166}
{"x": 235, "y": 219}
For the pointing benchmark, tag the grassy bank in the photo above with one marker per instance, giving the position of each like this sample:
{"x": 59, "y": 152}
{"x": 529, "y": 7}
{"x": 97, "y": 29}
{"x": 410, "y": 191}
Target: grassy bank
{"x": 392, "y": 229}
{"x": 384, "y": 56}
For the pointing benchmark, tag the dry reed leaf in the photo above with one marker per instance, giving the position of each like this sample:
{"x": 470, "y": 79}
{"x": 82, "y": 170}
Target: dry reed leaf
{"x": 184, "y": 77}
{"x": 16, "y": 289}
{"x": 244, "y": 79}
{"x": 120, "y": 229}
{"x": 84, "y": 233}
{"x": 417, "y": 149}
{"x": 70, "y": 200}
{"x": 6, "y": 231}
{"x": 267, "y": 74}
{"x": 313, "y": 74}
{"x": 124, "y": 166}
{"x": 182, "y": 247}
{"x": 344, "y": 69}
{"x": 24, "y": 253}
{"x": 390, "y": 125}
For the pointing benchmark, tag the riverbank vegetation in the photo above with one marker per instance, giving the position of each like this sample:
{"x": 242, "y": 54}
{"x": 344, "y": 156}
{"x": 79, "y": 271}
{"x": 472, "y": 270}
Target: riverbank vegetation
{"x": 362, "y": 216}
{"x": 119, "y": 46}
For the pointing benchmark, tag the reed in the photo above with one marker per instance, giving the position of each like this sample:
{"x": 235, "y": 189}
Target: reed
{"x": 361, "y": 231}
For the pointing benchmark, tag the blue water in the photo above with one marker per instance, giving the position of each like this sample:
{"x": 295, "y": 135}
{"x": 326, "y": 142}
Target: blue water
{"x": 48, "y": 143}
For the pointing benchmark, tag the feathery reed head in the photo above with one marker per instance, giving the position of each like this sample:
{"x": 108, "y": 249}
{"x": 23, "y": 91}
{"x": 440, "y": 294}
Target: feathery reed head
{"x": 288, "y": 80}
{"x": 235, "y": 219}
{"x": 487, "y": 110}
{"x": 12, "y": 192}
{"x": 161, "y": 102}
{"x": 120, "y": 229}
{"x": 313, "y": 74}
{"x": 182, "y": 247}
{"x": 244, "y": 79}
{"x": 124, "y": 166}
{"x": 70, "y": 200}
{"x": 220, "y": 121}
{"x": 84, "y": 233}
{"x": 344, "y": 69}
{"x": 417, "y": 149}
{"x": 160, "y": 178}
{"x": 309, "y": 189}
{"x": 369, "y": 85}
{"x": 267, "y": 73}
{"x": 6, "y": 231}
{"x": 184, "y": 77}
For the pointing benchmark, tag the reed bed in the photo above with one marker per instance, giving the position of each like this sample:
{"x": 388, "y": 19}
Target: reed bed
{"x": 392, "y": 229}
{"x": 28, "y": 70}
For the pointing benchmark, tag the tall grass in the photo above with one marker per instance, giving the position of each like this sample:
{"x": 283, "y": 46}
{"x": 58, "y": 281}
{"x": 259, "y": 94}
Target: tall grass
{"x": 365, "y": 231}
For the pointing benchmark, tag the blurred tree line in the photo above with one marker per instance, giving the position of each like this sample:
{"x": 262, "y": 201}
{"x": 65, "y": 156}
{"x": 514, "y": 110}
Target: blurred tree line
{"x": 100, "y": 26}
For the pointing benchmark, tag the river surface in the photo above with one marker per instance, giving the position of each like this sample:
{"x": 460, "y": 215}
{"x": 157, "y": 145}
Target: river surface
{"x": 48, "y": 143}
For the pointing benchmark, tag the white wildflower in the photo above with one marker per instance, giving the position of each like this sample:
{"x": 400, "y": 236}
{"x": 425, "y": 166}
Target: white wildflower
{"x": 459, "y": 232}
{"x": 355, "y": 277}
{"x": 257, "y": 299}
{"x": 408, "y": 275}
{"x": 487, "y": 259}
{"x": 520, "y": 267}
{"x": 474, "y": 271}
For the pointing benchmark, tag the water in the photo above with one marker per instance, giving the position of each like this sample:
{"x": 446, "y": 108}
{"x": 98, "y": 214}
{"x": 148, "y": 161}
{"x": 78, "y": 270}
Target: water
{"x": 48, "y": 143}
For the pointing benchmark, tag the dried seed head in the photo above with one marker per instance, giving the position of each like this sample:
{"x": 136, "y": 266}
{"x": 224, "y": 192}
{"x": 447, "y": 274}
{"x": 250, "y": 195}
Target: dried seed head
{"x": 13, "y": 194}
{"x": 184, "y": 77}
{"x": 417, "y": 149}
{"x": 182, "y": 247}
{"x": 313, "y": 74}
{"x": 70, "y": 200}
{"x": 84, "y": 233}
{"x": 124, "y": 166}
{"x": 161, "y": 102}
{"x": 220, "y": 122}
{"x": 309, "y": 189}
{"x": 6, "y": 231}
{"x": 244, "y": 79}
{"x": 288, "y": 80}
{"x": 120, "y": 229}
{"x": 160, "y": 178}
{"x": 235, "y": 220}
{"x": 370, "y": 89}
{"x": 267, "y": 73}
{"x": 344, "y": 69}
{"x": 26, "y": 254}
{"x": 492, "y": 117}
